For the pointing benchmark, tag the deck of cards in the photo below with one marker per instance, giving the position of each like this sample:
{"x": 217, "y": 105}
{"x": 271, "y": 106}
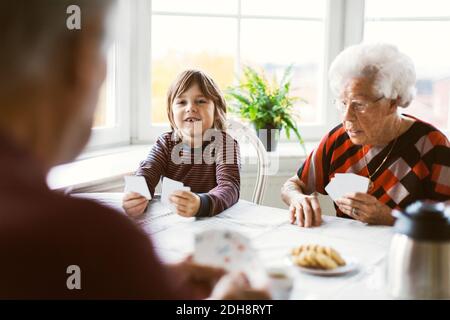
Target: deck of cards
{"x": 225, "y": 249}
{"x": 231, "y": 251}
{"x": 345, "y": 183}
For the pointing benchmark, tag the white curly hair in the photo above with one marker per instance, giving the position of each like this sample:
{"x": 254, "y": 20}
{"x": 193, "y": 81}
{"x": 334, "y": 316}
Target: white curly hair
{"x": 394, "y": 72}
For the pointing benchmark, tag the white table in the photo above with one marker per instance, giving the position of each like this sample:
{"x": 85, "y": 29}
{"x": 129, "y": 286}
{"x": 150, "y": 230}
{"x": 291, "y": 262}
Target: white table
{"x": 273, "y": 237}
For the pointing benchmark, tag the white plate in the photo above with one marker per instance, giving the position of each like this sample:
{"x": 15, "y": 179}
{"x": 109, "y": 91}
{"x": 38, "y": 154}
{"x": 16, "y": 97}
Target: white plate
{"x": 351, "y": 264}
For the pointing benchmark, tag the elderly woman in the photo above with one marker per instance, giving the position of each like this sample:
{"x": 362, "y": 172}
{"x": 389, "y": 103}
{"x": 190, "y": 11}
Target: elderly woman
{"x": 405, "y": 158}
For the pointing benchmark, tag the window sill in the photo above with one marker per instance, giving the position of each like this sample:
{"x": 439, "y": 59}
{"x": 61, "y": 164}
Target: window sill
{"x": 108, "y": 165}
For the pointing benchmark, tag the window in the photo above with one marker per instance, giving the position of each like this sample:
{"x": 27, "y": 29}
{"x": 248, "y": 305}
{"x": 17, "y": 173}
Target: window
{"x": 112, "y": 118}
{"x": 105, "y": 115}
{"x": 275, "y": 34}
{"x": 221, "y": 36}
{"x": 418, "y": 28}
{"x": 160, "y": 38}
{"x": 182, "y": 42}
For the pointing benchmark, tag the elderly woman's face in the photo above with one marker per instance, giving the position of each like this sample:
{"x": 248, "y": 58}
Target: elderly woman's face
{"x": 365, "y": 114}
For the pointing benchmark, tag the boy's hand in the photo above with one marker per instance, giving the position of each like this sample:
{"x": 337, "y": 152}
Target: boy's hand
{"x": 186, "y": 203}
{"x": 134, "y": 204}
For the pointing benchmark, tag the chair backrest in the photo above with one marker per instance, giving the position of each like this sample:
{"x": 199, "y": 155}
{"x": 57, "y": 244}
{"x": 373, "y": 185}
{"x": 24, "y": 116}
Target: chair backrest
{"x": 242, "y": 133}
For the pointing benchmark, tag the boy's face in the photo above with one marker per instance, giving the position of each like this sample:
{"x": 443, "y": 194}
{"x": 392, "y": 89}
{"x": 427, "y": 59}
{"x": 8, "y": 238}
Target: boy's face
{"x": 193, "y": 113}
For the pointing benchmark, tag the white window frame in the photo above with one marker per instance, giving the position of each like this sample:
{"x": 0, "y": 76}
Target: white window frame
{"x": 118, "y": 84}
{"x": 354, "y": 23}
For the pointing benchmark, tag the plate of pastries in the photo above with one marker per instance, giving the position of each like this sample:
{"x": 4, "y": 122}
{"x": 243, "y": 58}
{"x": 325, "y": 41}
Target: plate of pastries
{"x": 321, "y": 260}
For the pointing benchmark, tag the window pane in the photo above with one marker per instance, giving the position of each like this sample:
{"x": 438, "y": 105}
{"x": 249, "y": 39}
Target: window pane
{"x": 105, "y": 114}
{"x": 431, "y": 60}
{"x": 290, "y": 8}
{"x": 100, "y": 113}
{"x": 208, "y": 44}
{"x": 196, "y": 6}
{"x": 407, "y": 8}
{"x": 304, "y": 50}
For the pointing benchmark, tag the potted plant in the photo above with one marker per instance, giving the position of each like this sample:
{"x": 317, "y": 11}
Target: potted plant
{"x": 269, "y": 107}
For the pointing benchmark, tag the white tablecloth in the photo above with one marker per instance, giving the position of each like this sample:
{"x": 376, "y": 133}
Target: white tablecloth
{"x": 273, "y": 237}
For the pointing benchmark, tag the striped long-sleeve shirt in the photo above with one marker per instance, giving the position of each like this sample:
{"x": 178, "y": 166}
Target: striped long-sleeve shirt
{"x": 418, "y": 168}
{"x": 211, "y": 171}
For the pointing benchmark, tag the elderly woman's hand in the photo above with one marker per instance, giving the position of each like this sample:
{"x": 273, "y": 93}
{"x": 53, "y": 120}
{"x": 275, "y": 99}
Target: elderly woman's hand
{"x": 305, "y": 210}
{"x": 366, "y": 208}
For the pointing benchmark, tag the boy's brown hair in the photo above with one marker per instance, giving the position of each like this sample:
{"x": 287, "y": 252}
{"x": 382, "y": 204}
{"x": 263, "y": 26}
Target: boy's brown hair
{"x": 209, "y": 89}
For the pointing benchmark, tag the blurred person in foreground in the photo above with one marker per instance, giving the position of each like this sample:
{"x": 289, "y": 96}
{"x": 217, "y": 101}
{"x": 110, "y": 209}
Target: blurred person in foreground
{"x": 49, "y": 85}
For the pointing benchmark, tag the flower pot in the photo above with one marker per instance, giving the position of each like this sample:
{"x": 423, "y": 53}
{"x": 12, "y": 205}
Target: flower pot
{"x": 269, "y": 136}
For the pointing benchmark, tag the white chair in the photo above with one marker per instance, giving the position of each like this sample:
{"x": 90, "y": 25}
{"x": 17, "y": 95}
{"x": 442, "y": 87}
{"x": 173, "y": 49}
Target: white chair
{"x": 242, "y": 134}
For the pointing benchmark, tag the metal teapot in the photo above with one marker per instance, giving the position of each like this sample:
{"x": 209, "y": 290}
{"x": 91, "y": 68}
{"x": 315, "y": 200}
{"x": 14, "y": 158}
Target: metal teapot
{"x": 418, "y": 265}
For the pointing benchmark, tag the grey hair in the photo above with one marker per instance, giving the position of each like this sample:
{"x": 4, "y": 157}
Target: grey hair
{"x": 33, "y": 32}
{"x": 394, "y": 73}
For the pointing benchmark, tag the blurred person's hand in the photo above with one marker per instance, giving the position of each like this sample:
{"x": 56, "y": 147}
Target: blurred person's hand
{"x": 236, "y": 286}
{"x": 134, "y": 204}
{"x": 201, "y": 279}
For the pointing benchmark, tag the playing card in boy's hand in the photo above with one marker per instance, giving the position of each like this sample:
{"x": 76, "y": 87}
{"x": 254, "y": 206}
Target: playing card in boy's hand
{"x": 137, "y": 184}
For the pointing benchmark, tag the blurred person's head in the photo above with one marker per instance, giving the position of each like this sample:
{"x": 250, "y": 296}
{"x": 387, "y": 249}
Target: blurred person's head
{"x": 51, "y": 74}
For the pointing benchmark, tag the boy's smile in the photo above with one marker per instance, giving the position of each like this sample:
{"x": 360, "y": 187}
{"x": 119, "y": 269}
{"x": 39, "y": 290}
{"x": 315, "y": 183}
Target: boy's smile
{"x": 193, "y": 113}
{"x": 192, "y": 119}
